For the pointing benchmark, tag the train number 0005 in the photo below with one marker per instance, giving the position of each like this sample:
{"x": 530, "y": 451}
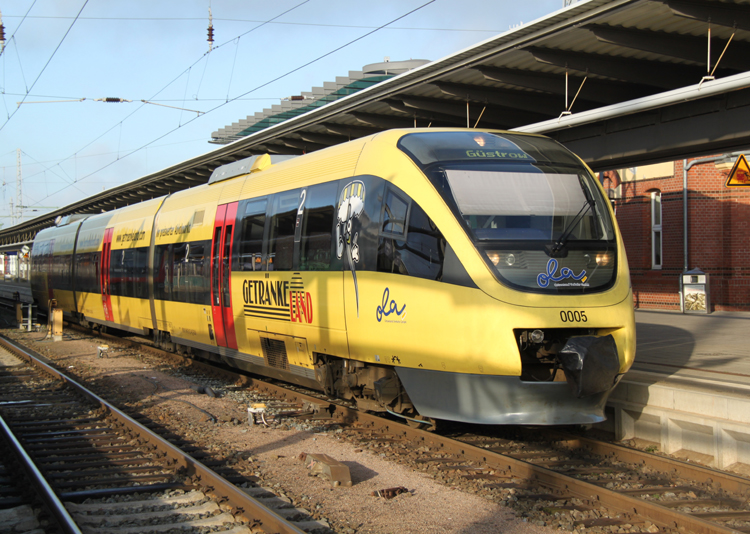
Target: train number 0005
{"x": 569, "y": 316}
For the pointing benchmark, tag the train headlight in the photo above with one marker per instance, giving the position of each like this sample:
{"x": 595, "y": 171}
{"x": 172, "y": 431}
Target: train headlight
{"x": 599, "y": 259}
{"x": 604, "y": 259}
{"x": 502, "y": 259}
{"x": 536, "y": 336}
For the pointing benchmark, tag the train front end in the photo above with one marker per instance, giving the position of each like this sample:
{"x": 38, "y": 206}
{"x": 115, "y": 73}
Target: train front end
{"x": 551, "y": 330}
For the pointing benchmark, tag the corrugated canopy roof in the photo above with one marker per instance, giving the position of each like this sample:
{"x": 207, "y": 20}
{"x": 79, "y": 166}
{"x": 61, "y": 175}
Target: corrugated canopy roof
{"x": 632, "y": 70}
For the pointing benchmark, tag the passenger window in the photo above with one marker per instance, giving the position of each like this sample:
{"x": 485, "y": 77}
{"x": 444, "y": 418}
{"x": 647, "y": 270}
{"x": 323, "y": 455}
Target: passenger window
{"x": 162, "y": 272}
{"x": 281, "y": 231}
{"x": 140, "y": 273}
{"x": 394, "y": 214}
{"x": 190, "y": 272}
{"x": 87, "y": 272}
{"x": 251, "y": 235}
{"x": 118, "y": 273}
{"x": 317, "y": 227}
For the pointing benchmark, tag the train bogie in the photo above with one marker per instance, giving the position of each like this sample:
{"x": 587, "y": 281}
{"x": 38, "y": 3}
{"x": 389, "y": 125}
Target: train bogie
{"x": 456, "y": 274}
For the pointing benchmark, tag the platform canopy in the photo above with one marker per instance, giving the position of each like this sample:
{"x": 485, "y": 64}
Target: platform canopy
{"x": 620, "y": 82}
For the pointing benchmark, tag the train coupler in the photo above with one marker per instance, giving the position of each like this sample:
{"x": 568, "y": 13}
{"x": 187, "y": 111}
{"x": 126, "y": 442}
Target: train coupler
{"x": 591, "y": 364}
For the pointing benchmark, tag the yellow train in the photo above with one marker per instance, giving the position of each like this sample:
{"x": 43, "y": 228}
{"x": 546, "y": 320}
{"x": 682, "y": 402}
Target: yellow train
{"x": 454, "y": 274}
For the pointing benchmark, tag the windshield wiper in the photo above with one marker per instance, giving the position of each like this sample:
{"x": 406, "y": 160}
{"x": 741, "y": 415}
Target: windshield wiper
{"x": 558, "y": 248}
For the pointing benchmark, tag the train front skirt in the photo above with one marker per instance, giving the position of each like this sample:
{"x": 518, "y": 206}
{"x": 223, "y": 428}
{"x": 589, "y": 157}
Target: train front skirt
{"x": 507, "y": 400}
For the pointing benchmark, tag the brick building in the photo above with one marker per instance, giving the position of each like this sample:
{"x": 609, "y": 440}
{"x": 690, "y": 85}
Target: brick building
{"x": 650, "y": 212}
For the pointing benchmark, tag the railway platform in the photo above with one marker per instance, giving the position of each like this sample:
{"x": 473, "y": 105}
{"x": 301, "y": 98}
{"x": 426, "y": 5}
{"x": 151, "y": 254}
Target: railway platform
{"x": 688, "y": 392}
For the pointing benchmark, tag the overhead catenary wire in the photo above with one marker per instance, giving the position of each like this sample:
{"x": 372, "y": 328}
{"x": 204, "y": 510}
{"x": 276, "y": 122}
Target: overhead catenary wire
{"x": 109, "y": 100}
{"x": 204, "y": 56}
{"x": 280, "y": 23}
{"x": 20, "y": 64}
{"x": 265, "y": 84}
{"x": 50, "y": 169}
{"x": 28, "y": 90}
{"x": 63, "y": 99}
{"x": 53, "y": 163}
{"x": 25, "y": 16}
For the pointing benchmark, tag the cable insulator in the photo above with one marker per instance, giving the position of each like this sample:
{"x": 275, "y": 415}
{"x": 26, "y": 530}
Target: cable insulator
{"x": 2, "y": 32}
{"x": 110, "y": 99}
{"x": 210, "y": 34}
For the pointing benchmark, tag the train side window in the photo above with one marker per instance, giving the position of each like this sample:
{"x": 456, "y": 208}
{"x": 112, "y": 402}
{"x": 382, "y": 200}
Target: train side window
{"x": 64, "y": 275}
{"x": 118, "y": 273}
{"x": 178, "y": 281}
{"x": 395, "y": 213}
{"x": 252, "y": 226}
{"x": 140, "y": 273}
{"x": 421, "y": 254}
{"x": 198, "y": 267}
{"x": 191, "y": 272}
{"x": 316, "y": 241}
{"x": 68, "y": 267}
{"x": 162, "y": 272}
{"x": 281, "y": 231}
{"x": 87, "y": 272}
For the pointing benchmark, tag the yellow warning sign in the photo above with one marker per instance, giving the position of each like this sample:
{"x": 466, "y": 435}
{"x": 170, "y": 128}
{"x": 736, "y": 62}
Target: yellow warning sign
{"x": 740, "y": 174}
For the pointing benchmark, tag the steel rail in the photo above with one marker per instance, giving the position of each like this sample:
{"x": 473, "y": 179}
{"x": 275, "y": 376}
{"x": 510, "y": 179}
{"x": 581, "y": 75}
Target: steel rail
{"x": 727, "y": 481}
{"x": 44, "y": 490}
{"x": 636, "y": 508}
{"x": 247, "y": 507}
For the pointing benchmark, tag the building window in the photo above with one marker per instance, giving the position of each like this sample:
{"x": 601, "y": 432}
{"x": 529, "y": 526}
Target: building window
{"x": 656, "y": 235}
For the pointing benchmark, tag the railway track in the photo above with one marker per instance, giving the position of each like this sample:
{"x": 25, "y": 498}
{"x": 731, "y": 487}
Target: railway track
{"x": 561, "y": 480}
{"x": 595, "y": 483}
{"x": 19, "y": 509}
{"x": 590, "y": 482}
{"x": 81, "y": 448}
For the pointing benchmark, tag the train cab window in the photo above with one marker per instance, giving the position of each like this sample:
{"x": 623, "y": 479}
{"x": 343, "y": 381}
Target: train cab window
{"x": 395, "y": 210}
{"x": 421, "y": 253}
{"x": 252, "y": 226}
{"x": 317, "y": 226}
{"x": 532, "y": 210}
{"x": 281, "y": 230}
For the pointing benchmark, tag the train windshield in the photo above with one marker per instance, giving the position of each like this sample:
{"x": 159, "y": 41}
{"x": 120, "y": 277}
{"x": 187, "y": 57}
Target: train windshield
{"x": 528, "y": 204}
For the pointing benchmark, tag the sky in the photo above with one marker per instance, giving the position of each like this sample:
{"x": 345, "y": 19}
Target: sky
{"x": 58, "y": 52}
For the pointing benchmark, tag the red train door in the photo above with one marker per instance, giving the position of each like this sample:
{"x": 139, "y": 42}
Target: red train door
{"x": 221, "y": 270}
{"x": 104, "y": 281}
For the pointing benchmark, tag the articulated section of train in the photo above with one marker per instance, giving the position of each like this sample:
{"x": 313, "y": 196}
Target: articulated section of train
{"x": 446, "y": 274}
